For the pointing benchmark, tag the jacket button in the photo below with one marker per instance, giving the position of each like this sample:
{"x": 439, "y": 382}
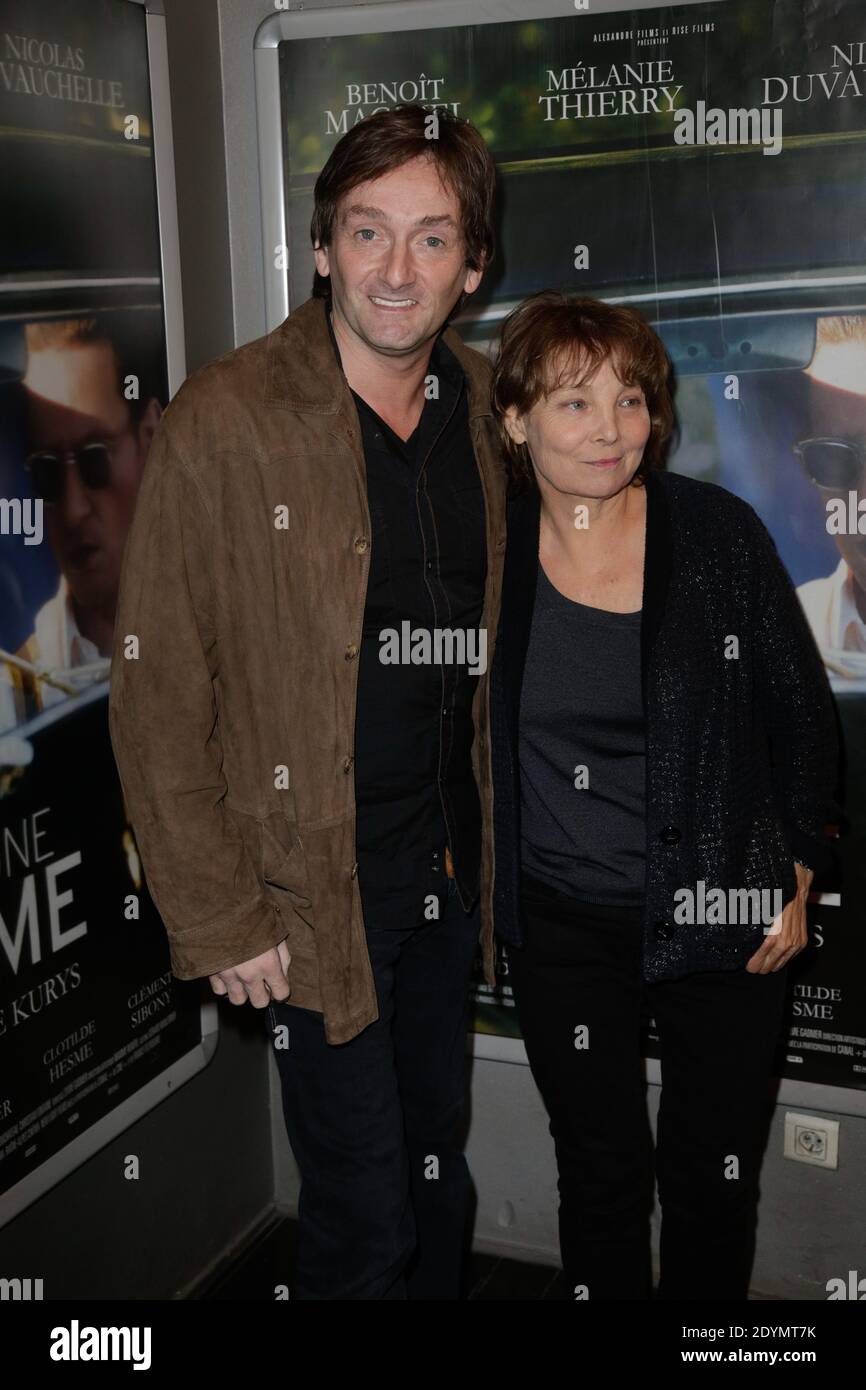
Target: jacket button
{"x": 354, "y": 873}
{"x": 361, "y": 545}
{"x": 351, "y": 651}
{"x": 663, "y": 931}
{"x": 347, "y": 764}
{"x": 671, "y": 835}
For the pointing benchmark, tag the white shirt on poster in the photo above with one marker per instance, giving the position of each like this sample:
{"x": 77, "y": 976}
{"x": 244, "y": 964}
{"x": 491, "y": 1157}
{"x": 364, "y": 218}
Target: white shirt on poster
{"x": 62, "y": 649}
{"x": 838, "y": 629}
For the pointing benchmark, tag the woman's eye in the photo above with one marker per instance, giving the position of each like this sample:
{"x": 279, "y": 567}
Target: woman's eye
{"x": 637, "y": 400}
{"x": 569, "y": 404}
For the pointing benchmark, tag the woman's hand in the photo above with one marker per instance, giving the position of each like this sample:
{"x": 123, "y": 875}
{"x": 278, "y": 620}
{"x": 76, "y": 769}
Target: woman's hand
{"x": 788, "y": 935}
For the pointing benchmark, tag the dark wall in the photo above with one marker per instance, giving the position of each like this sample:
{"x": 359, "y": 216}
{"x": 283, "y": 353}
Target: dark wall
{"x": 206, "y": 1177}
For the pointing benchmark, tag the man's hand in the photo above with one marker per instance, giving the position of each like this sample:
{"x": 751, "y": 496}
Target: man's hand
{"x": 788, "y": 934}
{"x": 261, "y": 980}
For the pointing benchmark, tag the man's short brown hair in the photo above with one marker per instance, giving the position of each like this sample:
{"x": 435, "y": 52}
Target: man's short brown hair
{"x": 388, "y": 139}
{"x": 545, "y": 338}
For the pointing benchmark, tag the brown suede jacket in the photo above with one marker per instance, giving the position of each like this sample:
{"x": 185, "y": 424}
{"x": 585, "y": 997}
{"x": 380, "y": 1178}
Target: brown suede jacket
{"x": 234, "y": 668}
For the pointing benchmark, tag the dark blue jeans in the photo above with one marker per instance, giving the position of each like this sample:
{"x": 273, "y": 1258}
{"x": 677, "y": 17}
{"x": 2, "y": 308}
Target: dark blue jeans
{"x": 581, "y": 966}
{"x": 375, "y": 1124}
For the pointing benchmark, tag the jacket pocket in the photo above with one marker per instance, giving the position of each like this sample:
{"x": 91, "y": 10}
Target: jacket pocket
{"x": 282, "y": 858}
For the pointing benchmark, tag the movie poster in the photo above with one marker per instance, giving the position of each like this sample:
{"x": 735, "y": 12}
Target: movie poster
{"x": 705, "y": 163}
{"x": 89, "y": 1012}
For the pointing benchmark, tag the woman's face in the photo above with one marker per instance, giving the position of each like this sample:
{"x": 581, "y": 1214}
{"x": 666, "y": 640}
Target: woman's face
{"x": 586, "y": 440}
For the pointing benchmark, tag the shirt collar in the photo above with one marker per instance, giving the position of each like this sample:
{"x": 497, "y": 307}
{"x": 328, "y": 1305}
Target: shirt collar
{"x": 851, "y": 629}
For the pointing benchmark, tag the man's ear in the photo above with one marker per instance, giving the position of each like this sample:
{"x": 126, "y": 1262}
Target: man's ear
{"x": 147, "y": 424}
{"x": 323, "y": 264}
{"x": 473, "y": 280}
{"x": 514, "y": 425}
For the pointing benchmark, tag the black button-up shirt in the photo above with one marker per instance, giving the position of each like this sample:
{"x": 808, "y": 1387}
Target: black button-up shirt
{"x": 414, "y": 787}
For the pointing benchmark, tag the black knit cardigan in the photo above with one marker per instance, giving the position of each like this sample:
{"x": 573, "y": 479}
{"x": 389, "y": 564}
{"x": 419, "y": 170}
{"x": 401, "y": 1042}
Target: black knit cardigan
{"x": 742, "y": 751}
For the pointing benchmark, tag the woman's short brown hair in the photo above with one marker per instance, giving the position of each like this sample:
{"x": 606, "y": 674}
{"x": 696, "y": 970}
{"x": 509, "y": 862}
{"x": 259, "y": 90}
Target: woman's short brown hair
{"x": 388, "y": 139}
{"x": 540, "y": 345}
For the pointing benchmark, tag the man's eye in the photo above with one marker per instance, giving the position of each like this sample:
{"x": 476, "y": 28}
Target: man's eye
{"x": 366, "y": 233}
{"x": 571, "y": 403}
{"x": 438, "y": 240}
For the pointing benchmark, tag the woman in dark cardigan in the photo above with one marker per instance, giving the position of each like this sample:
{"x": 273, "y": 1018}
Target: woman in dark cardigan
{"x": 664, "y": 764}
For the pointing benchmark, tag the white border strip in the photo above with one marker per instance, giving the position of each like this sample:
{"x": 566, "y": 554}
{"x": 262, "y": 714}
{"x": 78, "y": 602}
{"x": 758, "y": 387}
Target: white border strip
{"x": 166, "y": 196}
{"x": 821, "y": 1097}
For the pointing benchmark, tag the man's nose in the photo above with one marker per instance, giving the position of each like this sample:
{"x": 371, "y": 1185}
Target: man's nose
{"x": 397, "y": 269}
{"x": 75, "y": 500}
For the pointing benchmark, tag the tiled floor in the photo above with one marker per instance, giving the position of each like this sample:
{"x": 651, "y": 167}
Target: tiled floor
{"x": 267, "y": 1262}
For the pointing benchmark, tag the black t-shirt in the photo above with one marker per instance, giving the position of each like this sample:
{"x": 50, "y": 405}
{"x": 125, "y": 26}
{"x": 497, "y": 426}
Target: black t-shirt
{"x": 582, "y": 751}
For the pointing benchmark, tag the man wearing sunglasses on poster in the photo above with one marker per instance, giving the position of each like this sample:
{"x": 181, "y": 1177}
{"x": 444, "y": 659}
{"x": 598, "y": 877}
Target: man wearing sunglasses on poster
{"x": 88, "y": 448}
{"x": 833, "y": 456}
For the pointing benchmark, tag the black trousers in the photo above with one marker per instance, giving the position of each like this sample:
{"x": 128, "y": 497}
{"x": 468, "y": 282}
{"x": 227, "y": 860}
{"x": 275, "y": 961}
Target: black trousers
{"x": 580, "y": 1001}
{"x": 376, "y": 1124}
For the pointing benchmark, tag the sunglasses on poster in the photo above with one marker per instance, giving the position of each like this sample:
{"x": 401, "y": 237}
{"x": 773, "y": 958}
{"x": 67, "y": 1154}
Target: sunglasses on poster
{"x": 832, "y": 463}
{"x": 48, "y": 476}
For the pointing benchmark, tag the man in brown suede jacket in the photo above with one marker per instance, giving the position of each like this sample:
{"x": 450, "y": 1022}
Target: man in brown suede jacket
{"x": 304, "y": 779}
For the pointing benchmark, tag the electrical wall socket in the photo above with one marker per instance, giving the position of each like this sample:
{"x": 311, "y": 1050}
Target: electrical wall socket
{"x": 812, "y": 1139}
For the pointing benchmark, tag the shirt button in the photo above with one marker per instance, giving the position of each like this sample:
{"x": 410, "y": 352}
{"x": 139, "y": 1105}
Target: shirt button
{"x": 671, "y": 835}
{"x": 361, "y": 545}
{"x": 347, "y": 764}
{"x": 351, "y": 651}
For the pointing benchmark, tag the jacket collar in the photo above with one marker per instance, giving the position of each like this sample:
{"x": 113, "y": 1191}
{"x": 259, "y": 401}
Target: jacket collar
{"x": 302, "y": 372}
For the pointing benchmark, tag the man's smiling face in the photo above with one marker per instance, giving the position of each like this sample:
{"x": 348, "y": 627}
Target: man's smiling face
{"x": 397, "y": 261}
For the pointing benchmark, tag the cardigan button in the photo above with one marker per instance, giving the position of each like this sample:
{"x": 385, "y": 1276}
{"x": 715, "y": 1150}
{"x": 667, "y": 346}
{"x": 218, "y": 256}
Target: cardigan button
{"x": 663, "y": 931}
{"x": 671, "y": 835}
